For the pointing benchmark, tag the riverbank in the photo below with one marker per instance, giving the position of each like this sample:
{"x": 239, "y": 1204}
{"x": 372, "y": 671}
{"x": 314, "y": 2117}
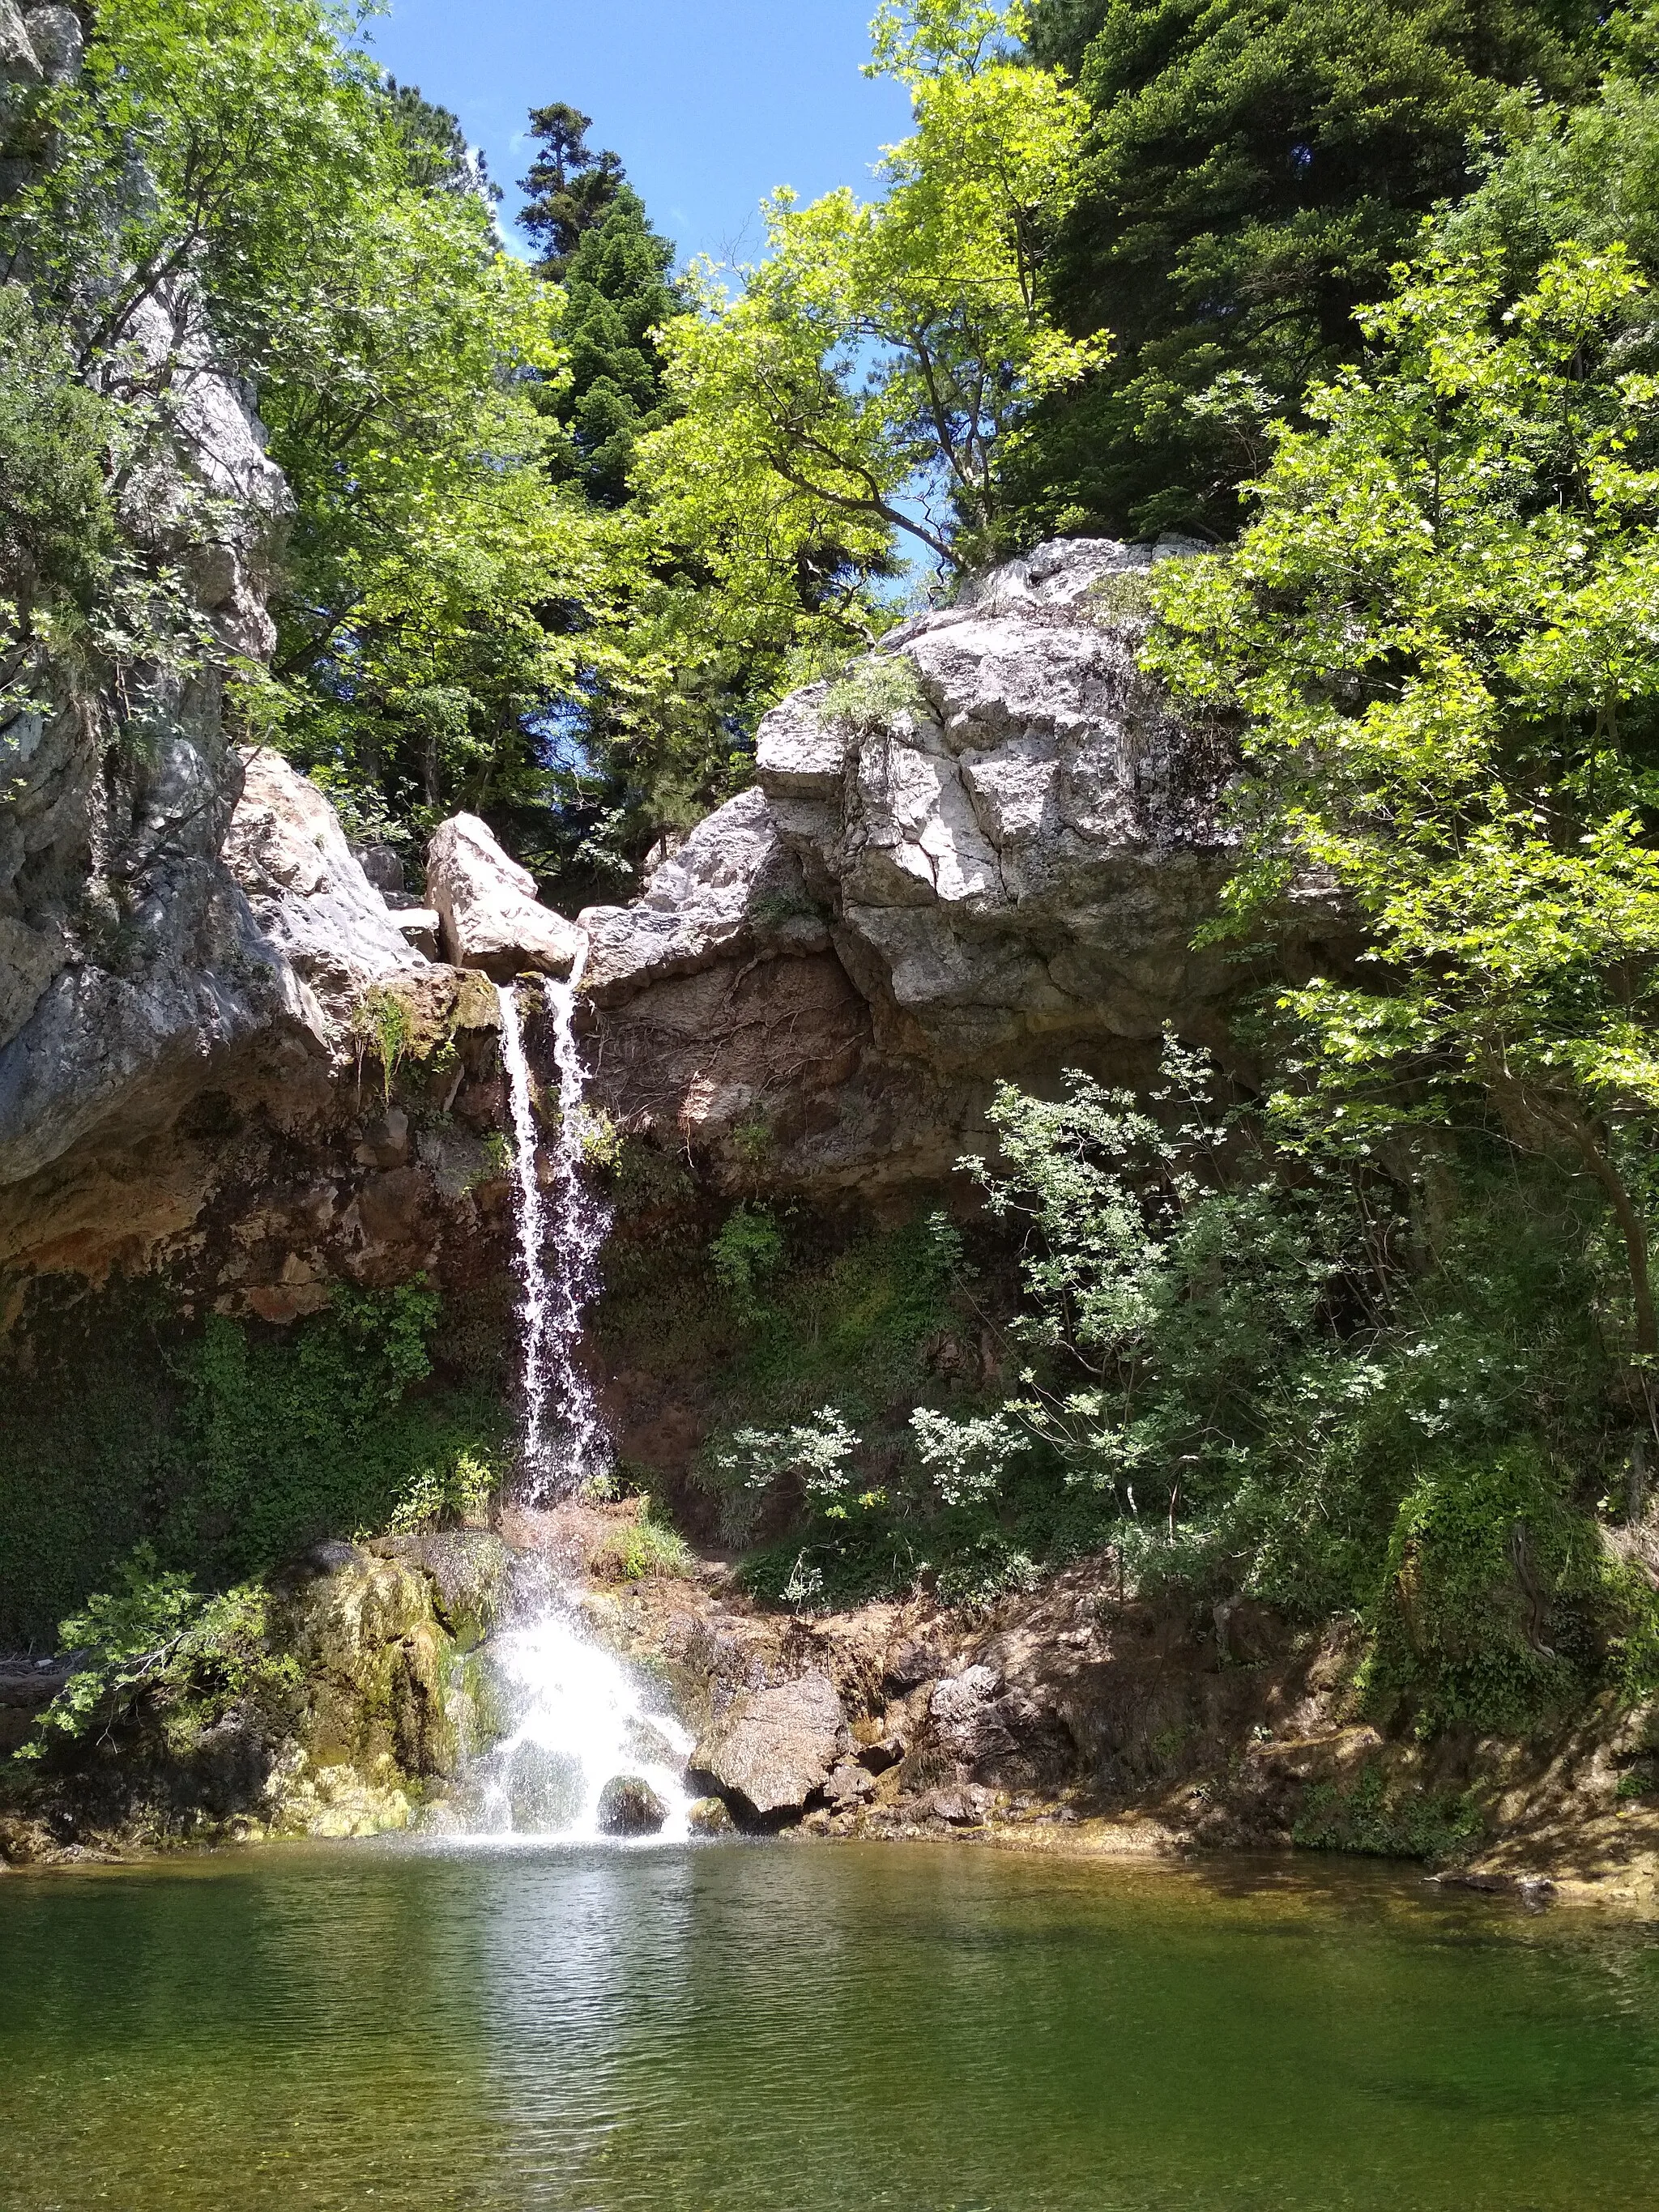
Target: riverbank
{"x": 1070, "y": 1719}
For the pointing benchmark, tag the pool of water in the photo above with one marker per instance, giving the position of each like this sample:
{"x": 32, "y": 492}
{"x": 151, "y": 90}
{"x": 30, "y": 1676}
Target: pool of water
{"x": 756, "y": 2028}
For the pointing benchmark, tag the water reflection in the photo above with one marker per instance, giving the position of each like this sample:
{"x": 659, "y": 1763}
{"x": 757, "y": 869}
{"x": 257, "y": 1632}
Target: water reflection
{"x": 743, "y": 2028}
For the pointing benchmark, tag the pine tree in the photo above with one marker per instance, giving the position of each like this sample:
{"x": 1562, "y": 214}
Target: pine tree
{"x": 571, "y": 187}
{"x": 1257, "y": 167}
{"x": 618, "y": 292}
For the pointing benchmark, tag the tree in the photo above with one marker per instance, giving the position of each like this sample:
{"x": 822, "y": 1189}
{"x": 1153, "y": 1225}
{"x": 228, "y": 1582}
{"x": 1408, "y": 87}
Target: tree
{"x": 1254, "y": 169}
{"x": 1439, "y": 629}
{"x": 617, "y": 296}
{"x": 438, "y": 158}
{"x": 571, "y": 187}
{"x": 877, "y": 366}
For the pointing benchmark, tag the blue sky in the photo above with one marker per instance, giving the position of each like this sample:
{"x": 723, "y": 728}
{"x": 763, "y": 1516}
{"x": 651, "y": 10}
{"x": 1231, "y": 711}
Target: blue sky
{"x": 710, "y": 103}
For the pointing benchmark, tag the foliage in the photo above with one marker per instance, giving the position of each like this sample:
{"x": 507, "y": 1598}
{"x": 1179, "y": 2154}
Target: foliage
{"x": 870, "y": 373}
{"x": 571, "y": 190}
{"x": 325, "y": 1435}
{"x": 437, "y": 1496}
{"x": 1479, "y": 1560}
{"x": 642, "y": 1548}
{"x": 381, "y": 1023}
{"x": 187, "y": 1658}
{"x": 617, "y": 296}
{"x": 1403, "y": 1821}
{"x": 748, "y": 1250}
{"x": 1253, "y": 170}
{"x": 874, "y": 693}
{"x": 1439, "y": 629}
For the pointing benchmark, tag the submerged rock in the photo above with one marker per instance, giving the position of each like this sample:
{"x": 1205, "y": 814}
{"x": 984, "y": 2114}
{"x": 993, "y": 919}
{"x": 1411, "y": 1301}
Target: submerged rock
{"x": 631, "y": 1806}
{"x": 489, "y": 914}
{"x": 771, "y": 1750}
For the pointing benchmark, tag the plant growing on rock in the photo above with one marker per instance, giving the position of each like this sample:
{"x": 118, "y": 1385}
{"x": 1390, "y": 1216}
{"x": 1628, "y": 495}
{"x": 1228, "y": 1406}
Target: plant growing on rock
{"x": 155, "y": 1643}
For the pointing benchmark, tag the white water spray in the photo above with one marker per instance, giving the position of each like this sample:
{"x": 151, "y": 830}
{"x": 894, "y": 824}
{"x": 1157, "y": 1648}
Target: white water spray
{"x": 565, "y": 1445}
{"x": 578, "y": 1717}
{"x": 581, "y": 1722}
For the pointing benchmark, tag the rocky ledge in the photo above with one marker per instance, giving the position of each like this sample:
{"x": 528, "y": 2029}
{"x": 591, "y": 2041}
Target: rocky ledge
{"x": 1070, "y": 1717}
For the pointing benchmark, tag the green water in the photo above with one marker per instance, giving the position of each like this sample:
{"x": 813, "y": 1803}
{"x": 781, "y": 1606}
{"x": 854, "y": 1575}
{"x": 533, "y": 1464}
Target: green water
{"x": 755, "y": 2029}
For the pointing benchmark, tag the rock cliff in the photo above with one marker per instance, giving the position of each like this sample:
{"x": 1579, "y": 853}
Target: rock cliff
{"x": 984, "y": 853}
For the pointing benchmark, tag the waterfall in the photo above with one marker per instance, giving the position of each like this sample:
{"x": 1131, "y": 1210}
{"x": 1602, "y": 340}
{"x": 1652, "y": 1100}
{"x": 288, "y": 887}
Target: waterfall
{"x": 578, "y": 1717}
{"x": 557, "y": 1395}
{"x": 579, "y": 1720}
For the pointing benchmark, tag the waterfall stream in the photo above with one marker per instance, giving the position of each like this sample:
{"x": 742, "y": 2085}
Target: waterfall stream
{"x": 577, "y": 1717}
{"x": 565, "y": 1445}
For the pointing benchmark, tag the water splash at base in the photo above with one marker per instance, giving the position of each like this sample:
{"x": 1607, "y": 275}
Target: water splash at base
{"x": 579, "y": 1720}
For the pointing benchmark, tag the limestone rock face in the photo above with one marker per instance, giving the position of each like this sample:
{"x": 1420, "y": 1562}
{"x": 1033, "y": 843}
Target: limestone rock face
{"x": 772, "y": 1749}
{"x": 996, "y": 867}
{"x": 489, "y": 914}
{"x": 309, "y": 896}
{"x": 732, "y": 885}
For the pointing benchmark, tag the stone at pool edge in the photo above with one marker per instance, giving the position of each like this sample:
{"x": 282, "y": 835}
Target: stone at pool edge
{"x": 631, "y": 1806}
{"x": 773, "y": 1749}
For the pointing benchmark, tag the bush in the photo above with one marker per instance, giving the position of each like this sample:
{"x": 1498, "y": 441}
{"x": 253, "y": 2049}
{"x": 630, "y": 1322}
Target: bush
{"x": 1490, "y": 1589}
{"x": 187, "y": 1660}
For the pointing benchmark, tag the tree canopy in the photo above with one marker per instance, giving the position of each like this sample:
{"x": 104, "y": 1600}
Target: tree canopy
{"x": 1253, "y": 169}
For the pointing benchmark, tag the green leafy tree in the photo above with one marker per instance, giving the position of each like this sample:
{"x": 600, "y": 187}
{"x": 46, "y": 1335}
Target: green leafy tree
{"x": 1439, "y": 629}
{"x": 1254, "y": 169}
{"x": 870, "y": 373}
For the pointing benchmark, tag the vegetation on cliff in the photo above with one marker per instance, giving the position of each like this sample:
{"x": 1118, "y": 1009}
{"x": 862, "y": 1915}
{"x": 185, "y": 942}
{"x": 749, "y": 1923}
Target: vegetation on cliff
{"x": 1365, "y": 1324}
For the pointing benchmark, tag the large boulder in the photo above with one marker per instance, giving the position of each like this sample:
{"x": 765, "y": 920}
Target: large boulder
{"x": 629, "y": 1806}
{"x": 733, "y": 883}
{"x": 771, "y": 1750}
{"x": 308, "y": 891}
{"x": 986, "y": 851}
{"x": 488, "y": 912}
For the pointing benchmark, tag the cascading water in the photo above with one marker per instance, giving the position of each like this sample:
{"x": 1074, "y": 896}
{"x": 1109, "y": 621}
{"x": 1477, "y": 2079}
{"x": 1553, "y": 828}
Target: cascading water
{"x": 575, "y": 1223}
{"x": 579, "y": 1718}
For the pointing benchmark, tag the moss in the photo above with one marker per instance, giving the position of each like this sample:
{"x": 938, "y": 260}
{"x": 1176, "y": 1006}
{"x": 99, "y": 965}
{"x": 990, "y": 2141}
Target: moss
{"x": 227, "y": 1446}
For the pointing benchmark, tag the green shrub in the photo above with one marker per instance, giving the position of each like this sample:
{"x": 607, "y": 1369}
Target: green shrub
{"x": 153, "y": 1641}
{"x": 875, "y": 693}
{"x": 226, "y": 1446}
{"x": 1489, "y": 1585}
{"x": 637, "y": 1550}
{"x": 1402, "y": 1822}
{"x": 749, "y": 1248}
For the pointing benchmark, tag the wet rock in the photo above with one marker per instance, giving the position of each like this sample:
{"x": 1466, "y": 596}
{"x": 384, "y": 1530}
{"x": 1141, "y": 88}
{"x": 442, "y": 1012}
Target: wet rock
{"x": 711, "y": 1816}
{"x": 543, "y": 1788}
{"x": 885, "y": 1752}
{"x": 470, "y": 1571}
{"x": 772, "y": 1749}
{"x": 631, "y": 1806}
{"x": 489, "y": 915}
{"x": 963, "y": 1805}
{"x": 849, "y": 1784}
